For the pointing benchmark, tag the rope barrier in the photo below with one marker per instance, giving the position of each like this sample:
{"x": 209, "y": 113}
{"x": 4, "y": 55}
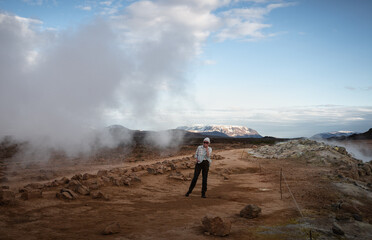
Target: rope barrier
{"x": 289, "y": 189}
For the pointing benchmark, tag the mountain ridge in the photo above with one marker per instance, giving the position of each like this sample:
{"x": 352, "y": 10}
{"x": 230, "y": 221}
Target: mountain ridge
{"x": 222, "y": 130}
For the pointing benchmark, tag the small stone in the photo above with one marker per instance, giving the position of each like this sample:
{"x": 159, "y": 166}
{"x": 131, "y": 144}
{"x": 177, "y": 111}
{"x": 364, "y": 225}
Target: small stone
{"x": 215, "y": 225}
{"x": 63, "y": 180}
{"x": 177, "y": 176}
{"x": 101, "y": 173}
{"x": 4, "y": 179}
{"x": 250, "y": 211}
{"x": 151, "y": 170}
{"x": 83, "y": 190}
{"x": 6, "y": 197}
{"x": 67, "y": 194}
{"x": 34, "y": 186}
{"x": 112, "y": 228}
{"x": 337, "y": 229}
{"x": 358, "y": 217}
{"x": 87, "y": 176}
{"x": 349, "y": 208}
{"x": 77, "y": 177}
{"x": 99, "y": 195}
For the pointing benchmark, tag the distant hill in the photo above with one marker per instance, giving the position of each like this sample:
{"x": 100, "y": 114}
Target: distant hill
{"x": 327, "y": 135}
{"x": 222, "y": 131}
{"x": 360, "y": 136}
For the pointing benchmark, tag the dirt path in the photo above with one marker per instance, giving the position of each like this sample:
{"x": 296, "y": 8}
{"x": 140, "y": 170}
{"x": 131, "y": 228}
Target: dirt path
{"x": 156, "y": 207}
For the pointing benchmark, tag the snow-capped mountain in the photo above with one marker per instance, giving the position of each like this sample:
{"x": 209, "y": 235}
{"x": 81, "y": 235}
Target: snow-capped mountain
{"x": 223, "y": 131}
{"x": 327, "y": 135}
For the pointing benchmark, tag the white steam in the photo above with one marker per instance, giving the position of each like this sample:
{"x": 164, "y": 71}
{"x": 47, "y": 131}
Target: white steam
{"x": 58, "y": 87}
{"x": 357, "y": 149}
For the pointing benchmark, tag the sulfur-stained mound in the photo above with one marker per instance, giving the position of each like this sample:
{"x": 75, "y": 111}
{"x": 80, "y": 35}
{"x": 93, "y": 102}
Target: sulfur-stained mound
{"x": 318, "y": 153}
{"x": 309, "y": 150}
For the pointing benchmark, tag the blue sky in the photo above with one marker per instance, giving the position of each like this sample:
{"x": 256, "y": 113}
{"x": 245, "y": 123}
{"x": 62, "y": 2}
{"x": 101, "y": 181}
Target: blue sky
{"x": 284, "y": 68}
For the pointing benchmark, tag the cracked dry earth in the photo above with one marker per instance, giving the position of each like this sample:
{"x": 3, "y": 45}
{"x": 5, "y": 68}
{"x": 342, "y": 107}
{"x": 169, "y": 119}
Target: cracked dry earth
{"x": 155, "y": 207}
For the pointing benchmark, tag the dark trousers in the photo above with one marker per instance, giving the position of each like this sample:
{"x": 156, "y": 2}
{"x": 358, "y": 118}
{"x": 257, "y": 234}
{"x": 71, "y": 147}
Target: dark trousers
{"x": 204, "y": 167}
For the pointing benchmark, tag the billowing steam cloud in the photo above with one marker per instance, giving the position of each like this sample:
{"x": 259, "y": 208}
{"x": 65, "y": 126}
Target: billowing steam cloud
{"x": 57, "y": 86}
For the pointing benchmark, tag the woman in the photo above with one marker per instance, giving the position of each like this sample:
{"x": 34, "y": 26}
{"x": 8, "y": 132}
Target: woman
{"x": 203, "y": 160}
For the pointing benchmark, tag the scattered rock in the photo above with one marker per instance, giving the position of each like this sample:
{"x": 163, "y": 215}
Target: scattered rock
{"x": 34, "y": 186}
{"x": 99, "y": 195}
{"x": 349, "y": 208}
{"x": 134, "y": 177}
{"x": 83, "y": 190}
{"x": 177, "y": 176}
{"x": 32, "y": 194}
{"x": 216, "y": 157}
{"x": 112, "y": 228}
{"x": 151, "y": 170}
{"x": 357, "y": 217}
{"x": 63, "y": 180}
{"x": 77, "y": 177}
{"x": 137, "y": 168}
{"x": 337, "y": 229}
{"x": 7, "y": 197}
{"x": 4, "y": 179}
{"x": 215, "y": 225}
{"x": 250, "y": 211}
{"x": 101, "y": 173}
{"x": 344, "y": 217}
{"x": 67, "y": 194}
{"x": 87, "y": 176}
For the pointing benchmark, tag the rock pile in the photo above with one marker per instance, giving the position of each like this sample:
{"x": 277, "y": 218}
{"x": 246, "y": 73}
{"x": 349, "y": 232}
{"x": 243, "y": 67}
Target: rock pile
{"x": 309, "y": 150}
{"x": 318, "y": 153}
{"x": 89, "y": 184}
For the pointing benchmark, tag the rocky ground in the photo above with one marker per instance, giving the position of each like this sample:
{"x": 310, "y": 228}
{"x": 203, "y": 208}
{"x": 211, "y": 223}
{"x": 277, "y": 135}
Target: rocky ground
{"x": 145, "y": 199}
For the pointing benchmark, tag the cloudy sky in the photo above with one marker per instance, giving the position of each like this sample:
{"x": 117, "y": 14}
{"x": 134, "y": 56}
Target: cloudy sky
{"x": 283, "y": 68}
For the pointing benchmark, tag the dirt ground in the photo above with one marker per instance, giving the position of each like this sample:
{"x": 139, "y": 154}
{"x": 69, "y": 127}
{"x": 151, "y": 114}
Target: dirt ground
{"x": 156, "y": 208}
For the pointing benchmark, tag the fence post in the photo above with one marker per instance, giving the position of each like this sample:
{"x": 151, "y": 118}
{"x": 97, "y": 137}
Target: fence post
{"x": 281, "y": 193}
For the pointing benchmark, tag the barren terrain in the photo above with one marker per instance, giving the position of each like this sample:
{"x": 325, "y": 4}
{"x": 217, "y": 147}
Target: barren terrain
{"x": 147, "y": 199}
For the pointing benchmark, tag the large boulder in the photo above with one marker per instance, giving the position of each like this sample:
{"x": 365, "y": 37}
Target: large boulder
{"x": 215, "y": 225}
{"x": 250, "y": 211}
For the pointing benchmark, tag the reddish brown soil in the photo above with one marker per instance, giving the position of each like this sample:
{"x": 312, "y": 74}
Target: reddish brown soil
{"x": 156, "y": 207}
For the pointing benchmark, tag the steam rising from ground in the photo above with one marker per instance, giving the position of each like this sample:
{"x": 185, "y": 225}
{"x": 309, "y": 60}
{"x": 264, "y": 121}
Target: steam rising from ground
{"x": 58, "y": 87}
{"x": 357, "y": 149}
{"x": 165, "y": 139}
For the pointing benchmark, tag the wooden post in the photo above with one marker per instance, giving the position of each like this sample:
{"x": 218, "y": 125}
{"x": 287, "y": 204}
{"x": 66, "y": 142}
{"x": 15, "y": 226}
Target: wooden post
{"x": 311, "y": 237}
{"x": 281, "y": 193}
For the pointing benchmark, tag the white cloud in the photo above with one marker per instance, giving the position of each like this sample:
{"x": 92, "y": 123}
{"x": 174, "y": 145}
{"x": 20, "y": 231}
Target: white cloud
{"x": 33, "y": 2}
{"x": 107, "y": 3}
{"x": 210, "y": 62}
{"x": 84, "y": 7}
{"x": 247, "y": 23}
